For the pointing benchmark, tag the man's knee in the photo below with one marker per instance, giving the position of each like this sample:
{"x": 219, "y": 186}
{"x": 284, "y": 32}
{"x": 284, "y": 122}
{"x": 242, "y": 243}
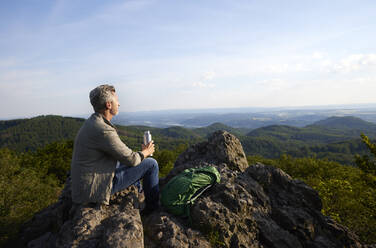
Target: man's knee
{"x": 152, "y": 163}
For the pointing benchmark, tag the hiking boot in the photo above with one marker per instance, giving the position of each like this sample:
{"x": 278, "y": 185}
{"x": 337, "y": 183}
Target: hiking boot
{"x": 148, "y": 210}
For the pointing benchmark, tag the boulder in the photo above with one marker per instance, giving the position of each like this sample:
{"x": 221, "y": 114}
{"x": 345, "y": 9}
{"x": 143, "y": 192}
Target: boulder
{"x": 68, "y": 225}
{"x": 221, "y": 147}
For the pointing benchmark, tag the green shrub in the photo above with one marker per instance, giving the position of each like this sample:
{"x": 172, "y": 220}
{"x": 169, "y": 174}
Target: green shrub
{"x": 23, "y": 192}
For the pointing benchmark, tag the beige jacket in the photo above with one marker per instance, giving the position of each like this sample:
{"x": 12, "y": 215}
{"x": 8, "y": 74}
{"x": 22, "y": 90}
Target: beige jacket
{"x": 97, "y": 148}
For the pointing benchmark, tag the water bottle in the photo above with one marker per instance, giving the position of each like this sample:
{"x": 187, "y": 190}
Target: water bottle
{"x": 147, "y": 138}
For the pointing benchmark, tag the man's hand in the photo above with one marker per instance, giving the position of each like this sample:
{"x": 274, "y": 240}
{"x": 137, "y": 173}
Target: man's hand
{"x": 148, "y": 149}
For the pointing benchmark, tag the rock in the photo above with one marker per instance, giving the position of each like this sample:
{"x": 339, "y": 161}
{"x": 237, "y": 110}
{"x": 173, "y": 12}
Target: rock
{"x": 221, "y": 147}
{"x": 41, "y": 241}
{"x": 164, "y": 230}
{"x": 252, "y": 206}
{"x": 67, "y": 225}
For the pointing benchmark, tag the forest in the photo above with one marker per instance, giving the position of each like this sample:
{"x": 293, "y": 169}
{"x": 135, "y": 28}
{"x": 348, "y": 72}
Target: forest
{"x": 35, "y": 157}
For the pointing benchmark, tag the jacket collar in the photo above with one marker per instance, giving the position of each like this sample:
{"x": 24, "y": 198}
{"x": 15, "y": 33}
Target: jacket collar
{"x": 104, "y": 119}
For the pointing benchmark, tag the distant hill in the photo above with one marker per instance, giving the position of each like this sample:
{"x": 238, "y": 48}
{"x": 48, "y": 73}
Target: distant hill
{"x": 245, "y": 117}
{"x": 333, "y": 129}
{"x": 335, "y": 138}
{"x": 29, "y": 134}
{"x": 281, "y": 132}
{"x": 346, "y": 122}
{"x": 306, "y": 135}
{"x": 247, "y": 121}
{"x": 11, "y": 123}
{"x": 204, "y": 131}
{"x": 179, "y": 132}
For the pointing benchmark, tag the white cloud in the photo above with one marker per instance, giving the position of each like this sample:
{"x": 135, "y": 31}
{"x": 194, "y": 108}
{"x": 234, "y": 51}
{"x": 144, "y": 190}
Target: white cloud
{"x": 204, "y": 82}
{"x": 317, "y": 55}
{"x": 200, "y": 84}
{"x": 326, "y": 63}
{"x": 354, "y": 62}
{"x": 278, "y": 68}
{"x": 275, "y": 84}
{"x": 209, "y": 75}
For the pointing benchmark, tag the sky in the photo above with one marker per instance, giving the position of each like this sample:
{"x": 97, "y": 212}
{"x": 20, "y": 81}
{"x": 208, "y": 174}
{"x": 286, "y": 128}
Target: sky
{"x": 173, "y": 54}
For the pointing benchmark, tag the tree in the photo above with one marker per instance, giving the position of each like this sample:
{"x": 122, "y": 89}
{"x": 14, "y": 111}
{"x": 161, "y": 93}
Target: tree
{"x": 365, "y": 163}
{"x": 23, "y": 192}
{"x": 167, "y": 158}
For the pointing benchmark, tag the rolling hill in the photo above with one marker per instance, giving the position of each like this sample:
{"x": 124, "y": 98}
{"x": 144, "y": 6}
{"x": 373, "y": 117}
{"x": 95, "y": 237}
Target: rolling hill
{"x": 205, "y": 131}
{"x": 333, "y": 129}
{"x": 346, "y": 123}
{"x": 29, "y": 134}
{"x": 335, "y": 138}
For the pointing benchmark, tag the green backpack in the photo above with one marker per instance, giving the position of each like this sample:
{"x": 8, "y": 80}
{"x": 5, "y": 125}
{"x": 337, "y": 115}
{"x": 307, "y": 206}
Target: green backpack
{"x": 179, "y": 194}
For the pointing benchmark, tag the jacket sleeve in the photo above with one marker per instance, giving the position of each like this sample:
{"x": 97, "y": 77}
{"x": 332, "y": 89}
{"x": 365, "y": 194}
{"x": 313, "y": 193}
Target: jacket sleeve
{"x": 113, "y": 146}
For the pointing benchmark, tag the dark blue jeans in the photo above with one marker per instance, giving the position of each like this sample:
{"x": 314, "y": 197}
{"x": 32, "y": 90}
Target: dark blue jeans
{"x": 148, "y": 171}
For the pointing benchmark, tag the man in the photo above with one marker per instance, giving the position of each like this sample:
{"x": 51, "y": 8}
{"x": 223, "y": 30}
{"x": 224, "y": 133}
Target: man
{"x": 98, "y": 148}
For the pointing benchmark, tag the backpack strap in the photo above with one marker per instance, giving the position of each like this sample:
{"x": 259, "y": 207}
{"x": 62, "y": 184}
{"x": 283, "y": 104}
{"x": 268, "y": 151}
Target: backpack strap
{"x": 192, "y": 200}
{"x": 200, "y": 192}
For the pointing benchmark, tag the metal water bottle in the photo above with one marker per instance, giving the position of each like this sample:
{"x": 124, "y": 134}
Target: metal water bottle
{"x": 147, "y": 138}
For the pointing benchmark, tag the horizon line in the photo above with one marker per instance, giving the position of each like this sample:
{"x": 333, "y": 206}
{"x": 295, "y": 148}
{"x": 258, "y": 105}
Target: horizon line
{"x": 221, "y": 109}
{"x": 258, "y": 107}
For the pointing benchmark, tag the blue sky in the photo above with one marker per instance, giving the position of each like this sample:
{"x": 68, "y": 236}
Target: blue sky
{"x": 172, "y": 54}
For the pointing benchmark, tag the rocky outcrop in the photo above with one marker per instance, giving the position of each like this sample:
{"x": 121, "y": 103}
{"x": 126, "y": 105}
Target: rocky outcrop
{"x": 252, "y": 206}
{"x": 68, "y": 225}
{"x": 222, "y": 147}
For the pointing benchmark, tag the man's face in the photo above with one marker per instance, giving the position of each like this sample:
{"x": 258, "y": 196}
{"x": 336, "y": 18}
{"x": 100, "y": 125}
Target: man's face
{"x": 114, "y": 105}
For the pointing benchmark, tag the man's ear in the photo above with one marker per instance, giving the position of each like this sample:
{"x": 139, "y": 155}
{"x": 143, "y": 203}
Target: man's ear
{"x": 108, "y": 105}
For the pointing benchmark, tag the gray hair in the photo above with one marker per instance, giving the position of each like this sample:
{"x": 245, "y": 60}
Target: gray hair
{"x": 100, "y": 96}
